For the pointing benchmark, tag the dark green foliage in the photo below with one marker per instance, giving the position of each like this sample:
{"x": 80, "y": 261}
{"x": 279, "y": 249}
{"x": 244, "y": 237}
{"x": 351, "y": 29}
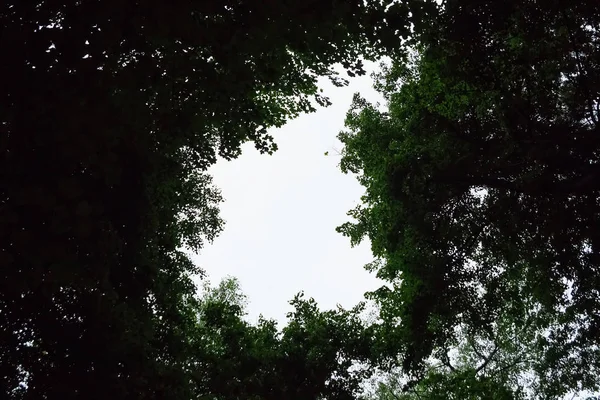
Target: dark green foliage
{"x": 455, "y": 385}
{"x": 482, "y": 200}
{"x": 483, "y": 173}
{"x": 310, "y": 358}
{"x": 509, "y": 359}
{"x": 109, "y": 113}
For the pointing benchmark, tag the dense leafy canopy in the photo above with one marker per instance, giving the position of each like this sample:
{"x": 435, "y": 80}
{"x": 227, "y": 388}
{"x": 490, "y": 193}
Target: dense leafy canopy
{"x": 514, "y": 358}
{"x": 482, "y": 197}
{"x": 110, "y": 111}
{"x": 310, "y": 358}
{"x": 482, "y": 178}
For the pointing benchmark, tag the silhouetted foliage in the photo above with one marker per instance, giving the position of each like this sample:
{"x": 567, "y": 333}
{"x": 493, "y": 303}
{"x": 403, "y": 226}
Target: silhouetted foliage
{"x": 482, "y": 195}
{"x": 310, "y": 358}
{"x": 110, "y": 111}
{"x": 482, "y": 173}
{"x": 514, "y": 357}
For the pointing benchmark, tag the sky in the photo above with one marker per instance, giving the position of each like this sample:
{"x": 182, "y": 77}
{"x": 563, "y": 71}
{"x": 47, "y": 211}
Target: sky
{"x": 281, "y": 212}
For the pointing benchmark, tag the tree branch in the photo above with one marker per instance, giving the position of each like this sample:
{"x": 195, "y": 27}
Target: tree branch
{"x": 518, "y": 360}
{"x": 477, "y": 352}
{"x": 445, "y": 359}
{"x": 488, "y": 359}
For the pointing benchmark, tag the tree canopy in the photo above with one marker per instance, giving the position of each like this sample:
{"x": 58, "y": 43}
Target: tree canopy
{"x": 310, "y": 358}
{"x": 110, "y": 112}
{"x": 515, "y": 357}
{"x": 481, "y": 177}
{"x": 482, "y": 196}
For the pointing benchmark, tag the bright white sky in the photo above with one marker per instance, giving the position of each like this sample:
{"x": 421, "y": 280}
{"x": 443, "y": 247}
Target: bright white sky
{"x": 281, "y": 212}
